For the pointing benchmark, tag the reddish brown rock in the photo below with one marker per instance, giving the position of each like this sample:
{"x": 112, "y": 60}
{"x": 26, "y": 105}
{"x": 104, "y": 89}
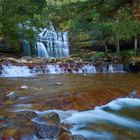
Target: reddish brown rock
{"x": 9, "y": 133}
{"x": 51, "y": 118}
{"x": 64, "y": 134}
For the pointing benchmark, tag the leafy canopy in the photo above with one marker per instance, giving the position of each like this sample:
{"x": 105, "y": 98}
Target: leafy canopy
{"x": 19, "y": 16}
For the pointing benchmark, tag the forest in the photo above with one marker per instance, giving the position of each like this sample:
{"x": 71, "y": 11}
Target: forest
{"x": 106, "y": 24}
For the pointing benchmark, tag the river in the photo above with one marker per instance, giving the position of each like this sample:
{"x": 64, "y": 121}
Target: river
{"x": 103, "y": 106}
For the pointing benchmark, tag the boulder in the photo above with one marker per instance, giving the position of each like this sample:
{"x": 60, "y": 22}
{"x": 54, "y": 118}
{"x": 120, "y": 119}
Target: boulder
{"x": 11, "y": 133}
{"x": 12, "y": 59}
{"x": 134, "y": 94}
{"x": 51, "y": 118}
{"x": 12, "y": 95}
{"x": 64, "y": 134}
{"x": 23, "y": 61}
{"x": 67, "y": 125}
{"x": 47, "y": 131}
{"x": 26, "y": 114}
{"x": 28, "y": 58}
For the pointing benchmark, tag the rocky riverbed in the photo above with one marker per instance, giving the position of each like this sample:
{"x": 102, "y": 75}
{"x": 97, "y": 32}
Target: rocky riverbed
{"x": 71, "y": 64}
{"x": 51, "y": 101}
{"x": 41, "y": 107}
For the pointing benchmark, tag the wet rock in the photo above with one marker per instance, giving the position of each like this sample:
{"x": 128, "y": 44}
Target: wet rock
{"x": 67, "y": 125}
{"x": 28, "y": 131}
{"x": 24, "y": 87}
{"x": 28, "y": 58}
{"x": 58, "y": 83}
{"x": 23, "y": 61}
{"x": 134, "y": 94}
{"x": 51, "y": 118}
{"x": 12, "y": 95}
{"x": 12, "y": 59}
{"x": 26, "y": 115}
{"x": 8, "y": 133}
{"x": 47, "y": 131}
{"x": 78, "y": 137}
{"x": 64, "y": 134}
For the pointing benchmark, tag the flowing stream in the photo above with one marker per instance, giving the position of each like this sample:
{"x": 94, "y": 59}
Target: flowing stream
{"x": 10, "y": 70}
{"x": 102, "y": 106}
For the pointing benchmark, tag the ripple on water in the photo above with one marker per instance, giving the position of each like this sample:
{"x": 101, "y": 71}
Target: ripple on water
{"x": 24, "y": 106}
{"x": 82, "y": 121}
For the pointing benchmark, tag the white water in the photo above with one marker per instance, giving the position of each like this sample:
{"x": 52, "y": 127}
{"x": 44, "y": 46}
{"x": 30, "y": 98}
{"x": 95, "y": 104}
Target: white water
{"x": 89, "y": 69}
{"x": 118, "y": 104}
{"x": 113, "y": 68}
{"x": 15, "y": 71}
{"x": 57, "y": 69}
{"x": 54, "y": 44}
{"x": 23, "y": 71}
{"x": 41, "y": 50}
{"x": 53, "y": 69}
{"x": 81, "y": 121}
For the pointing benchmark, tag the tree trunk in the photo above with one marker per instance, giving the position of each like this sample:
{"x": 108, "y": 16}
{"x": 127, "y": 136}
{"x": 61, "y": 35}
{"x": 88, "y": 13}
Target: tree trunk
{"x": 106, "y": 50}
{"x": 135, "y": 45}
{"x": 118, "y": 47}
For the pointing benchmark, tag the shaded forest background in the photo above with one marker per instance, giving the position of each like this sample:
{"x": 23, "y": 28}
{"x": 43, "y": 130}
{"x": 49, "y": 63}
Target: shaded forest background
{"x": 101, "y": 25}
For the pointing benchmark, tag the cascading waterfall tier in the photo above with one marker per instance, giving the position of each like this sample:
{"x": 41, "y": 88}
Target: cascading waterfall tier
{"x": 54, "y": 68}
{"x": 26, "y": 48}
{"x": 41, "y": 50}
{"x": 15, "y": 71}
{"x": 52, "y": 44}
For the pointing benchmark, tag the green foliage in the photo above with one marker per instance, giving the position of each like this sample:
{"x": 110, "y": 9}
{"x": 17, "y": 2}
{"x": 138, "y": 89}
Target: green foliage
{"x": 99, "y": 55}
{"x": 127, "y": 52}
{"x": 19, "y": 12}
{"x": 107, "y": 21}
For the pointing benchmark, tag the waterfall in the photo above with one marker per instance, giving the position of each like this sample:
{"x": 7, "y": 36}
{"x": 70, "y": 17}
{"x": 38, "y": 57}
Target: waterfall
{"x": 115, "y": 68}
{"x": 41, "y": 50}
{"x": 89, "y": 69}
{"x": 52, "y": 44}
{"x": 110, "y": 68}
{"x": 26, "y": 48}
{"x": 53, "y": 69}
{"x": 10, "y": 70}
{"x": 15, "y": 71}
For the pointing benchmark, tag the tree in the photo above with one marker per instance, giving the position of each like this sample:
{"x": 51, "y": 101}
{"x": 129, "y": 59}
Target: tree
{"x": 18, "y": 16}
{"x": 125, "y": 19}
{"x": 102, "y": 34}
